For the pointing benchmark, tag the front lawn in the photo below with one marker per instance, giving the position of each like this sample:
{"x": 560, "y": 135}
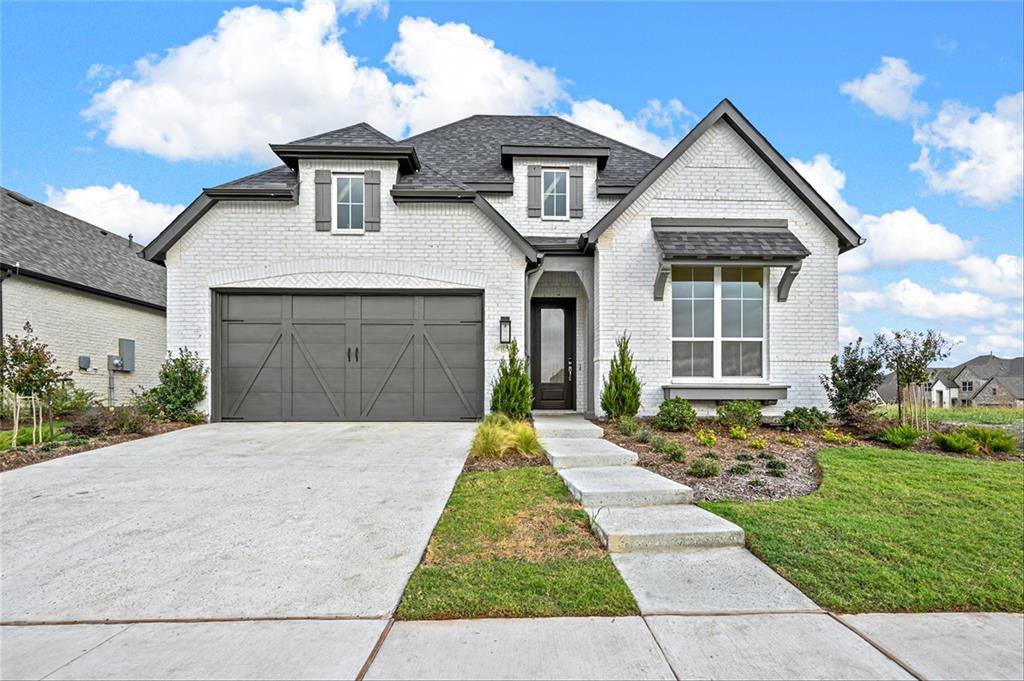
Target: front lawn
{"x": 897, "y": 531}
{"x": 513, "y": 543}
{"x": 983, "y": 415}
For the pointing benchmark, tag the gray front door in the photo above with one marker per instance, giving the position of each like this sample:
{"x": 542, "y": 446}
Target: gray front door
{"x": 312, "y": 357}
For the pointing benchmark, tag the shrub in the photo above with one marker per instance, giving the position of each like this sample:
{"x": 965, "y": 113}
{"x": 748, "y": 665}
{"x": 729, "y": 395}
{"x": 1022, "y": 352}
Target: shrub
{"x": 758, "y": 443}
{"x": 490, "y": 442}
{"x": 836, "y": 438}
{"x": 853, "y": 378}
{"x": 756, "y": 483}
{"x": 499, "y": 420}
{"x": 76, "y": 442}
{"x": 659, "y": 443}
{"x": 745, "y": 413}
{"x": 148, "y": 402}
{"x": 69, "y": 400}
{"x": 628, "y": 426}
{"x": 738, "y": 433}
{"x": 643, "y": 435}
{"x": 674, "y": 451}
{"x": 128, "y": 420}
{"x": 512, "y": 389}
{"x": 903, "y": 436}
{"x": 89, "y": 425}
{"x": 744, "y": 457}
{"x": 740, "y": 469}
{"x": 523, "y": 439}
{"x": 790, "y": 440}
{"x": 865, "y": 418}
{"x": 766, "y": 456}
{"x": 703, "y": 468}
{"x": 50, "y": 446}
{"x": 957, "y": 442}
{"x": 776, "y": 468}
{"x": 675, "y": 415}
{"x": 803, "y": 418}
{"x": 182, "y": 385}
{"x": 710, "y": 455}
{"x": 990, "y": 440}
{"x": 620, "y": 395}
{"x": 706, "y": 437}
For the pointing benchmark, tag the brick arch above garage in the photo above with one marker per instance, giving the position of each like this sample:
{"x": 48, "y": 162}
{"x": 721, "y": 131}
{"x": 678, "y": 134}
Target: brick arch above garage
{"x": 342, "y": 273}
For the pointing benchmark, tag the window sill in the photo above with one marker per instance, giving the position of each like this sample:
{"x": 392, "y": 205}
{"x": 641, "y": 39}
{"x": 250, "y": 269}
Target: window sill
{"x": 348, "y": 232}
{"x": 731, "y": 390}
{"x": 554, "y": 219}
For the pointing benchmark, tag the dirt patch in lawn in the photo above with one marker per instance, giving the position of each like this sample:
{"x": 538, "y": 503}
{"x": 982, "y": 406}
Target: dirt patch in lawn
{"x": 511, "y": 460}
{"x": 26, "y": 456}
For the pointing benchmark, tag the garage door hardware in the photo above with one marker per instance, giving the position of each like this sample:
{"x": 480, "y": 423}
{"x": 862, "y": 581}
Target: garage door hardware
{"x": 350, "y": 354}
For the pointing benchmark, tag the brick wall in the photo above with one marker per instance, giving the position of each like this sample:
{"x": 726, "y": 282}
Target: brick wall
{"x": 74, "y": 323}
{"x": 718, "y": 177}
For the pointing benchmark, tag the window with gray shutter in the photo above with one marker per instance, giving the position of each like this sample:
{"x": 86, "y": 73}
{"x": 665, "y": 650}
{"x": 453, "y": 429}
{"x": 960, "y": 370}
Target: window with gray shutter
{"x": 371, "y": 214}
{"x": 533, "y": 191}
{"x": 322, "y": 200}
{"x": 575, "y": 191}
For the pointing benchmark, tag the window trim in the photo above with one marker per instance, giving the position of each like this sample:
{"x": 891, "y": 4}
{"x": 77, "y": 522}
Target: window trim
{"x": 334, "y": 204}
{"x": 716, "y": 352}
{"x": 565, "y": 172}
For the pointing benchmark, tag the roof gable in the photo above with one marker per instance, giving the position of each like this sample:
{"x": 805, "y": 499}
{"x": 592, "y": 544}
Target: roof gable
{"x": 727, "y": 112}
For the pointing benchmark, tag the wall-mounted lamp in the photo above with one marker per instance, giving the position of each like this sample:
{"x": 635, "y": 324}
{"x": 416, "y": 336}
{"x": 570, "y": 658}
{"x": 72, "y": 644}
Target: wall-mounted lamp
{"x": 505, "y": 331}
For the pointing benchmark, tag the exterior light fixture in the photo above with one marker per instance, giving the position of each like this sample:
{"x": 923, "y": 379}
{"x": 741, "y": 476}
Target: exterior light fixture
{"x": 505, "y": 331}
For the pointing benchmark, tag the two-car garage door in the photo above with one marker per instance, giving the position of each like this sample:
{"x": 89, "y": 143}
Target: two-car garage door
{"x": 328, "y": 357}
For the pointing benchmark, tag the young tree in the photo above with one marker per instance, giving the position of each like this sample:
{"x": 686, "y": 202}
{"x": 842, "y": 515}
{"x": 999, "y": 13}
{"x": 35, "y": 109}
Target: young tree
{"x": 908, "y": 354}
{"x": 27, "y": 369}
{"x": 853, "y": 377}
{"x": 512, "y": 389}
{"x": 621, "y": 393}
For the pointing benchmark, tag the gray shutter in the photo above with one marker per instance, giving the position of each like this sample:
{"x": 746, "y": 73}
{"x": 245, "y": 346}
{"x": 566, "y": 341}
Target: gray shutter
{"x": 533, "y": 192}
{"x": 575, "y": 191}
{"x": 322, "y": 181}
{"x": 371, "y": 200}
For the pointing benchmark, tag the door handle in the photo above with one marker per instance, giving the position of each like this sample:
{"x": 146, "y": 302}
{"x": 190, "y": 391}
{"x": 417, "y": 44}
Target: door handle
{"x": 357, "y": 354}
{"x": 570, "y": 369}
{"x": 350, "y": 354}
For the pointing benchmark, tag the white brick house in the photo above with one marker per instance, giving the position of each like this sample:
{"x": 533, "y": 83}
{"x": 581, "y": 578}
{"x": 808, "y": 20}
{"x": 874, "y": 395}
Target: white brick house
{"x": 373, "y": 279}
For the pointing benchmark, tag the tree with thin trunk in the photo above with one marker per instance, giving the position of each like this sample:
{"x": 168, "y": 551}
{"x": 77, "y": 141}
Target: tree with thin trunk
{"x": 27, "y": 370}
{"x": 908, "y": 354}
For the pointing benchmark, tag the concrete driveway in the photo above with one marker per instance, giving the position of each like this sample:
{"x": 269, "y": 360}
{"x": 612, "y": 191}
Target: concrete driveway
{"x": 221, "y": 522}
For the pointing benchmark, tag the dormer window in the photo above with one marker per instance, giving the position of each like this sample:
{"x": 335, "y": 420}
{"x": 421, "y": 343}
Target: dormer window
{"x": 555, "y": 185}
{"x": 348, "y": 204}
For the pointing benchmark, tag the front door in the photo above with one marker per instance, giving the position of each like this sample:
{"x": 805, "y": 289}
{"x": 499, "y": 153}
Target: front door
{"x": 553, "y": 351}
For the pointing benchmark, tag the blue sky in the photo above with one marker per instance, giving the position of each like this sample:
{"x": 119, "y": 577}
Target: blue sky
{"x": 852, "y": 93}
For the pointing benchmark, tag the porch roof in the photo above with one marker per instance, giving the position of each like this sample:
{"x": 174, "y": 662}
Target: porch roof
{"x": 685, "y": 239}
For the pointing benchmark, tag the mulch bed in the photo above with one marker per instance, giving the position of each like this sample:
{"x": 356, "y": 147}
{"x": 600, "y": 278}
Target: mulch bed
{"x": 28, "y": 455}
{"x": 475, "y": 463}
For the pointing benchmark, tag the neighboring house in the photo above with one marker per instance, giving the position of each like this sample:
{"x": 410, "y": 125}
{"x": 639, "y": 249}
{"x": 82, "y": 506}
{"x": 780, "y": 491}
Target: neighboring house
{"x": 984, "y": 380}
{"x": 88, "y": 294}
{"x": 368, "y": 278}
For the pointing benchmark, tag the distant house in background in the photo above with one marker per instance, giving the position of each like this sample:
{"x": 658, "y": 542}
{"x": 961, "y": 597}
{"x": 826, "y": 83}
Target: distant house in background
{"x": 986, "y": 380}
{"x": 87, "y": 294}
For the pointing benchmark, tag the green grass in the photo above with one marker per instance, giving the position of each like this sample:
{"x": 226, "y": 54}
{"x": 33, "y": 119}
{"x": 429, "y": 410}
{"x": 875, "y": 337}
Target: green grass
{"x": 897, "y": 531}
{"x": 25, "y": 434}
{"x": 513, "y": 543}
{"x": 989, "y": 415}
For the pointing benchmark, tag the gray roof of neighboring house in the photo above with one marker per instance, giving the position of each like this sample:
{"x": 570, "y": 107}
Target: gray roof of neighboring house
{"x": 43, "y": 242}
{"x": 1012, "y": 384}
{"x": 887, "y": 389}
{"x": 732, "y": 242}
{"x": 985, "y": 367}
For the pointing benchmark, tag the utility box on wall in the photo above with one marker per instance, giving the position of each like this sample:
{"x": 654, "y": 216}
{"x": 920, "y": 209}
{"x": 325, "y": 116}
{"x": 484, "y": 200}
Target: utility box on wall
{"x": 126, "y": 349}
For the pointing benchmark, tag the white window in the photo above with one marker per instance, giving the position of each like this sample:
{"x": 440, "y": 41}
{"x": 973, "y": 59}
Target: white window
{"x": 718, "y": 322}
{"x": 348, "y": 204}
{"x": 555, "y": 194}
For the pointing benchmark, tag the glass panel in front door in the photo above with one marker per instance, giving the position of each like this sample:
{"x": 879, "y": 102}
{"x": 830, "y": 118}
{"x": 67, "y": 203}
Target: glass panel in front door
{"x": 552, "y": 345}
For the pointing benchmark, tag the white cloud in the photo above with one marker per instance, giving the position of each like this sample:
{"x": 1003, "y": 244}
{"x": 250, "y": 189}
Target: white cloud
{"x": 888, "y": 90}
{"x": 1002, "y": 277}
{"x": 977, "y": 155}
{"x": 607, "y": 120}
{"x": 118, "y": 208}
{"x": 914, "y": 300}
{"x": 362, "y": 8}
{"x": 272, "y": 76}
{"x": 828, "y": 181}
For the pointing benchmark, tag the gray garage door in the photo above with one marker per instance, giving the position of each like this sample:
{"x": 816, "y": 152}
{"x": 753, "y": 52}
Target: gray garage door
{"x": 298, "y": 357}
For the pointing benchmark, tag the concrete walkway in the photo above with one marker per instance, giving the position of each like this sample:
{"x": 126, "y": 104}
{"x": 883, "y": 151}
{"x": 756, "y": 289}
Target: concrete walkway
{"x": 676, "y": 558}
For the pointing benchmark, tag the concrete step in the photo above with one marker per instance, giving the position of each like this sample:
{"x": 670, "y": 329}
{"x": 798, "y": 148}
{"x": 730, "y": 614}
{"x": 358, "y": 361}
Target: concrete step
{"x": 586, "y": 453}
{"x": 565, "y": 426}
{"x": 664, "y": 528}
{"x": 622, "y": 486}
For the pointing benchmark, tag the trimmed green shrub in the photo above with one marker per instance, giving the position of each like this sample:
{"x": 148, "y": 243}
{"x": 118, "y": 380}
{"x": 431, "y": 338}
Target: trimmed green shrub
{"x": 69, "y": 400}
{"x": 675, "y": 452}
{"x": 710, "y": 455}
{"x": 956, "y": 442}
{"x": 659, "y": 443}
{"x": 790, "y": 440}
{"x": 675, "y": 415}
{"x": 766, "y": 456}
{"x": 745, "y": 413}
{"x": 128, "y": 420}
{"x": 512, "y": 389}
{"x": 853, "y": 378}
{"x": 703, "y": 468}
{"x": 740, "y": 469}
{"x": 756, "y": 483}
{"x": 706, "y": 437}
{"x": 76, "y": 442}
{"x": 182, "y": 385}
{"x": 738, "y": 433}
{"x": 758, "y": 443}
{"x": 50, "y": 446}
{"x": 990, "y": 440}
{"x": 744, "y": 457}
{"x": 620, "y": 395}
{"x": 803, "y": 418}
{"x": 628, "y": 426}
{"x": 643, "y": 435}
{"x": 903, "y": 436}
{"x": 776, "y": 468}
{"x": 836, "y": 438}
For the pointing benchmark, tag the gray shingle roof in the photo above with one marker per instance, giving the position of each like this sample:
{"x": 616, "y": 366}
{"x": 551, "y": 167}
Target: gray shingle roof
{"x": 53, "y": 245}
{"x": 280, "y": 176}
{"x": 1012, "y": 384}
{"x": 427, "y": 178}
{"x": 360, "y": 133}
{"x": 733, "y": 242}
